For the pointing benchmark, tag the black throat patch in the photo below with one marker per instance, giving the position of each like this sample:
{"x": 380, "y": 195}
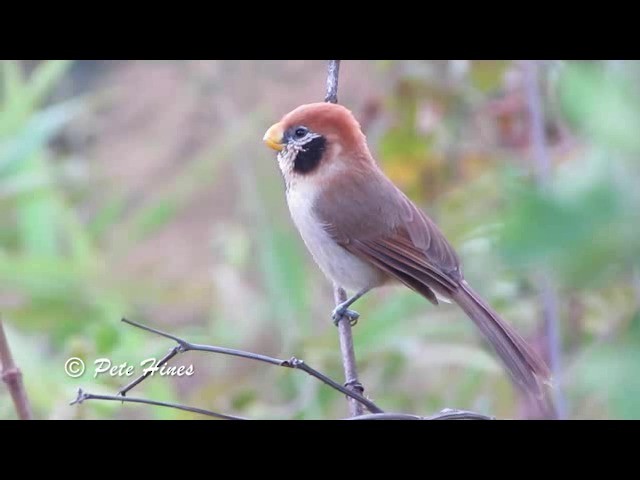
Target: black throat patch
{"x": 308, "y": 159}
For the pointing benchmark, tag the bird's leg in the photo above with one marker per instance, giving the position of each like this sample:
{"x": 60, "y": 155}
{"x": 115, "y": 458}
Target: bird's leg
{"x": 342, "y": 310}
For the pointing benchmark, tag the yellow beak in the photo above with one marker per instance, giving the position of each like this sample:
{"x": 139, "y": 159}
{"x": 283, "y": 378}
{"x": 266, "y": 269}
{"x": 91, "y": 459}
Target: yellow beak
{"x": 273, "y": 137}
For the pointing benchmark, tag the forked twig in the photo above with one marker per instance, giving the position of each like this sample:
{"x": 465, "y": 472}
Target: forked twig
{"x": 446, "y": 414}
{"x": 84, "y": 396}
{"x": 293, "y": 362}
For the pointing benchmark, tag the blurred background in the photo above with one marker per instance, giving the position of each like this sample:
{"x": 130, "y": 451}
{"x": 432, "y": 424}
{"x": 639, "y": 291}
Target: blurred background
{"x": 142, "y": 189}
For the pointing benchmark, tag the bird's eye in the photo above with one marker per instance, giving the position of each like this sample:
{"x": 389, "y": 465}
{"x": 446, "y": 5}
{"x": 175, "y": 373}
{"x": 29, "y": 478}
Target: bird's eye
{"x": 300, "y": 132}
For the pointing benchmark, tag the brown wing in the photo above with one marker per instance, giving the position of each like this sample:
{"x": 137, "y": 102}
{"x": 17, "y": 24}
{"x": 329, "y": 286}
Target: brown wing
{"x": 373, "y": 219}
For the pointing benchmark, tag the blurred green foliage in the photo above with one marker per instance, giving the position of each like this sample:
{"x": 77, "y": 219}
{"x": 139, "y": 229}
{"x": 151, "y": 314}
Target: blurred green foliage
{"x": 602, "y": 104}
{"x": 453, "y": 135}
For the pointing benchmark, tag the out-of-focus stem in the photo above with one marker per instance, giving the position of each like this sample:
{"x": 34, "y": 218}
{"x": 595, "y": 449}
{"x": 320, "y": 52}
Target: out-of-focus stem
{"x": 548, "y": 292}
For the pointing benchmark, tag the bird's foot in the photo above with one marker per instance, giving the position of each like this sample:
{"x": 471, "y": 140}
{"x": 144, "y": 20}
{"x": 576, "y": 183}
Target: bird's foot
{"x": 340, "y": 311}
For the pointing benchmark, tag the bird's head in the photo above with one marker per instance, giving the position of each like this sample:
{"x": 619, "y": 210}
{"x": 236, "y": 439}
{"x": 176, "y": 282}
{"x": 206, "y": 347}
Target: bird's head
{"x": 317, "y": 137}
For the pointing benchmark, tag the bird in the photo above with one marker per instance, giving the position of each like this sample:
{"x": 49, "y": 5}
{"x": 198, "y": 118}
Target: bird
{"x": 363, "y": 232}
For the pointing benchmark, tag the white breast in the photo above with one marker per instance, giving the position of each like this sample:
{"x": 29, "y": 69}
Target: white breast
{"x": 337, "y": 264}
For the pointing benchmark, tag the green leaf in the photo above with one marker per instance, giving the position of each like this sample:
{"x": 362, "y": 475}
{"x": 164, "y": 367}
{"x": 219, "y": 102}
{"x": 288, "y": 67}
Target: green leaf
{"x": 23, "y": 185}
{"x": 12, "y": 83}
{"x": 44, "y": 78}
{"x": 21, "y": 99}
{"x": 35, "y": 134}
{"x": 12, "y": 96}
{"x": 37, "y": 224}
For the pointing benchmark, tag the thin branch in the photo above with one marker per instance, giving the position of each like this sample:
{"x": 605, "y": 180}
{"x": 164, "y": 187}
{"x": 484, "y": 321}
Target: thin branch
{"x": 332, "y": 82}
{"x": 185, "y": 346}
{"x": 12, "y": 376}
{"x": 452, "y": 414}
{"x": 83, "y": 396}
{"x": 295, "y": 363}
{"x": 348, "y": 355}
{"x": 387, "y": 416}
{"x": 548, "y": 294}
{"x": 172, "y": 353}
{"x": 344, "y": 326}
{"x": 446, "y": 414}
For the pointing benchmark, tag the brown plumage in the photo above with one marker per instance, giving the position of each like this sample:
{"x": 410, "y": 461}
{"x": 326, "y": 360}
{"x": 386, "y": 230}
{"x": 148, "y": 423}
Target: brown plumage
{"x": 364, "y": 232}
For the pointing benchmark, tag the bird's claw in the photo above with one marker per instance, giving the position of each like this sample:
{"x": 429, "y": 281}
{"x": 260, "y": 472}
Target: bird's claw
{"x": 340, "y": 312}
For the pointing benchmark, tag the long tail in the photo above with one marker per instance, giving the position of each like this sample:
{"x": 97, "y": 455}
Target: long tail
{"x": 526, "y": 368}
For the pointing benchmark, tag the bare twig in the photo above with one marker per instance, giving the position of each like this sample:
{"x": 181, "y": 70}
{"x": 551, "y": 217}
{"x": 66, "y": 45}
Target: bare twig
{"x": 452, "y": 414}
{"x": 548, "y": 294}
{"x": 172, "y": 353}
{"x": 344, "y": 325}
{"x": 185, "y": 346}
{"x": 446, "y": 414}
{"x": 387, "y": 416}
{"x": 295, "y": 363}
{"x": 332, "y": 82}
{"x": 348, "y": 355}
{"x": 83, "y": 396}
{"x": 12, "y": 376}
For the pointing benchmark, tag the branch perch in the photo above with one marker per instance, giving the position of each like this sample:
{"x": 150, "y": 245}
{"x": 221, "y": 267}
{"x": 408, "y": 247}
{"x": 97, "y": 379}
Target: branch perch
{"x": 348, "y": 355}
{"x": 344, "y": 326}
{"x": 293, "y": 362}
{"x": 447, "y": 414}
{"x": 84, "y": 396}
{"x": 12, "y": 376}
{"x": 332, "y": 81}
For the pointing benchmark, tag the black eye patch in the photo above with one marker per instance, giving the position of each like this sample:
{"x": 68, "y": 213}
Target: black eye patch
{"x": 309, "y": 157}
